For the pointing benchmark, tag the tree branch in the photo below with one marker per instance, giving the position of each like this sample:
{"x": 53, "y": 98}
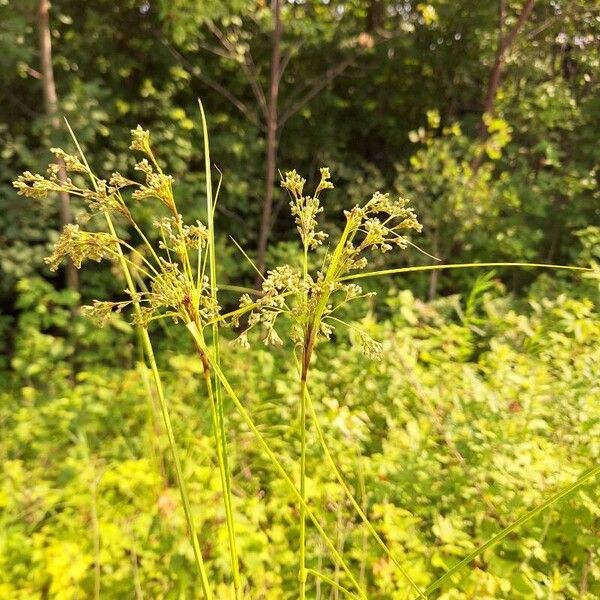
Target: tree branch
{"x": 247, "y": 65}
{"x": 183, "y": 61}
{"x": 293, "y": 107}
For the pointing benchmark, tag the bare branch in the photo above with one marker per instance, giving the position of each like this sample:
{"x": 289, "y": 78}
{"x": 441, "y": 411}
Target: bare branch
{"x": 184, "y": 62}
{"x": 254, "y": 79}
{"x": 32, "y": 72}
{"x": 314, "y": 86}
{"x": 318, "y": 86}
{"x": 287, "y": 58}
{"x": 502, "y": 17}
{"x": 214, "y": 50}
{"x": 247, "y": 65}
{"x": 510, "y": 38}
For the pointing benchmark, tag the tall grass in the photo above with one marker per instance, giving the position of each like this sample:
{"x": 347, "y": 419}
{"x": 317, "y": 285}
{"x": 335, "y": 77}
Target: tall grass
{"x": 180, "y": 284}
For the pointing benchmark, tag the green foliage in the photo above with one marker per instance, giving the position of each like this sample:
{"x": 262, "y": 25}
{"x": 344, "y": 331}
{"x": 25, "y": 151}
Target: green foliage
{"x": 458, "y": 430}
{"x": 484, "y": 403}
{"x": 129, "y": 62}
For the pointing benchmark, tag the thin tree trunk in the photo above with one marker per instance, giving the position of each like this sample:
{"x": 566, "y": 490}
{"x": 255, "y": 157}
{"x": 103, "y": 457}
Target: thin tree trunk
{"x": 272, "y": 133}
{"x": 376, "y": 12}
{"x": 435, "y": 274}
{"x": 505, "y": 43}
{"x": 557, "y": 227}
{"x": 51, "y": 105}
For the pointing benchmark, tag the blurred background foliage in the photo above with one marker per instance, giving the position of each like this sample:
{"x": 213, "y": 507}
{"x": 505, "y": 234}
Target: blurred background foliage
{"x": 389, "y": 95}
{"x": 487, "y": 400}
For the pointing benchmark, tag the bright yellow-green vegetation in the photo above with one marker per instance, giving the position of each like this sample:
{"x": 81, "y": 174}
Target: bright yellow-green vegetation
{"x": 479, "y": 410}
{"x": 176, "y": 280}
{"x": 349, "y": 349}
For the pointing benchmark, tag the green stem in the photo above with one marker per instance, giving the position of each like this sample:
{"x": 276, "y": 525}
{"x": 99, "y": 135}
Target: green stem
{"x": 223, "y": 470}
{"x": 96, "y": 535}
{"x": 303, "y": 391}
{"x": 302, "y": 571}
{"x": 178, "y": 472}
{"x": 331, "y": 582}
{"x": 507, "y": 530}
{"x": 222, "y": 450}
{"x": 149, "y": 351}
{"x": 147, "y": 344}
{"x": 355, "y": 504}
{"x": 461, "y": 266}
{"x": 278, "y": 466}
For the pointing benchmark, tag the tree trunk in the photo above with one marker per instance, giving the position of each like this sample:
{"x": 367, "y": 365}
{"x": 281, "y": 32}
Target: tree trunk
{"x": 376, "y": 12}
{"x": 272, "y": 133}
{"x": 51, "y": 105}
{"x": 505, "y": 42}
{"x": 434, "y": 276}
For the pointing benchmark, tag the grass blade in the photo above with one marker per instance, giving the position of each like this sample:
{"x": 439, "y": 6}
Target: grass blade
{"x": 149, "y": 352}
{"x": 353, "y": 501}
{"x": 516, "y": 524}
{"x": 461, "y": 266}
{"x": 277, "y": 464}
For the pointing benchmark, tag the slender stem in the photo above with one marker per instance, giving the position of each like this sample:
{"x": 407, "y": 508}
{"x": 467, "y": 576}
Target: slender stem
{"x": 331, "y": 582}
{"x": 135, "y": 251}
{"x": 149, "y": 351}
{"x": 96, "y": 534}
{"x": 309, "y": 341}
{"x": 364, "y": 506}
{"x": 355, "y": 504}
{"x": 461, "y": 266}
{"x": 507, "y": 530}
{"x": 223, "y": 471}
{"x": 145, "y": 240}
{"x": 303, "y": 392}
{"x": 220, "y": 433}
{"x": 222, "y": 466}
{"x": 302, "y": 571}
{"x": 278, "y": 466}
{"x": 117, "y": 254}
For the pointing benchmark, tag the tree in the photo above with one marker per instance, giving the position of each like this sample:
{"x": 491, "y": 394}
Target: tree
{"x": 506, "y": 39}
{"x": 51, "y": 104}
{"x": 238, "y": 39}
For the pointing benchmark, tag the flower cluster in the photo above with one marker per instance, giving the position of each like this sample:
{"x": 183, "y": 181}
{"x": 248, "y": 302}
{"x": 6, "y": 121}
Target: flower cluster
{"x": 177, "y": 236}
{"x": 80, "y": 246}
{"x": 279, "y": 283}
{"x": 158, "y": 185}
{"x": 36, "y": 186}
{"x": 100, "y": 312}
{"x": 306, "y": 208}
{"x": 310, "y": 301}
{"x": 140, "y": 140}
{"x": 173, "y": 286}
{"x": 104, "y": 197}
{"x": 71, "y": 162}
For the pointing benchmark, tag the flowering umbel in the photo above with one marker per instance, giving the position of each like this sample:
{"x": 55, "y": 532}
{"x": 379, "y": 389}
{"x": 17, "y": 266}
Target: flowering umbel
{"x": 310, "y": 300}
{"x": 175, "y": 283}
{"x": 80, "y": 246}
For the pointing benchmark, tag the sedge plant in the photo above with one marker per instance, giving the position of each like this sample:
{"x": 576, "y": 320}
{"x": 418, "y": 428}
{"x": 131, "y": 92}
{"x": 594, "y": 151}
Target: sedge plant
{"x": 311, "y": 302}
{"x": 179, "y": 283}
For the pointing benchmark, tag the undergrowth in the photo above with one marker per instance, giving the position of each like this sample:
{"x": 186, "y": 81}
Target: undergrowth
{"x": 176, "y": 282}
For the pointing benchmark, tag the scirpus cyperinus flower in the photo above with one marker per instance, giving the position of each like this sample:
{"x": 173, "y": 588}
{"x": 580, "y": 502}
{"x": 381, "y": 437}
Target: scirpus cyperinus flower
{"x": 176, "y": 284}
{"x": 311, "y": 299}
